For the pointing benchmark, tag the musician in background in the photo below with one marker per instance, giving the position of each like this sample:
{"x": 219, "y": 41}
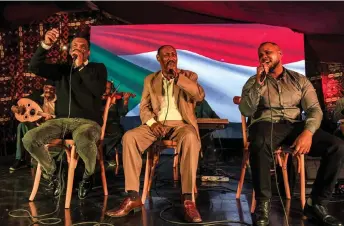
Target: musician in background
{"x": 47, "y": 102}
{"x": 167, "y": 110}
{"x": 203, "y": 110}
{"x": 114, "y": 131}
{"x": 79, "y": 88}
{"x": 338, "y": 117}
{"x": 274, "y": 98}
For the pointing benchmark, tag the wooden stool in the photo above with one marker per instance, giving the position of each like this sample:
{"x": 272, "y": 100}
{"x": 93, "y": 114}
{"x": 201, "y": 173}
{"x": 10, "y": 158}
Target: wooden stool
{"x": 153, "y": 156}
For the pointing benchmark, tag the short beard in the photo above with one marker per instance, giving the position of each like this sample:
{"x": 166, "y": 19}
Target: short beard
{"x": 273, "y": 67}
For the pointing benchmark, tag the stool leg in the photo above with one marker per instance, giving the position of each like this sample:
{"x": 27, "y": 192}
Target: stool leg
{"x": 156, "y": 156}
{"x": 244, "y": 164}
{"x": 36, "y": 182}
{"x": 302, "y": 181}
{"x": 117, "y": 158}
{"x": 253, "y": 203}
{"x": 147, "y": 176}
{"x": 71, "y": 171}
{"x": 102, "y": 170}
{"x": 285, "y": 175}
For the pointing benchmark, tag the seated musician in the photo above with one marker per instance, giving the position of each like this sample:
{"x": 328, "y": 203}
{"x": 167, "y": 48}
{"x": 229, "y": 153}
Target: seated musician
{"x": 203, "y": 110}
{"x": 47, "y": 103}
{"x": 167, "y": 110}
{"x": 79, "y": 88}
{"x": 275, "y": 102}
{"x": 338, "y": 117}
{"x": 114, "y": 131}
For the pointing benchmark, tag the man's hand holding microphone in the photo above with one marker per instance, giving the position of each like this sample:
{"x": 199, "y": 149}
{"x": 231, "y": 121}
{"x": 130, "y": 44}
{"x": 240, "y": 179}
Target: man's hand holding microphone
{"x": 262, "y": 72}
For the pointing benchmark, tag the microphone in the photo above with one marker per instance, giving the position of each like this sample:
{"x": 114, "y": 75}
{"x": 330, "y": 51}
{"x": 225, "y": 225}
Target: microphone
{"x": 74, "y": 56}
{"x": 171, "y": 71}
{"x": 262, "y": 76}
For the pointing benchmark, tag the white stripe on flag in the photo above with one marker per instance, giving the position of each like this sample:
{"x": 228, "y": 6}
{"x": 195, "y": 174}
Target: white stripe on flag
{"x": 220, "y": 80}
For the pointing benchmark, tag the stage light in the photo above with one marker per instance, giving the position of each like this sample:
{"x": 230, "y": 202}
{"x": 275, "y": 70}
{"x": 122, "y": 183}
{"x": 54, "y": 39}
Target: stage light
{"x": 64, "y": 47}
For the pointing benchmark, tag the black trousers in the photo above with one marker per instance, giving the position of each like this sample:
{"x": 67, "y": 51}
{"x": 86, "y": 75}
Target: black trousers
{"x": 330, "y": 148}
{"x": 113, "y": 136}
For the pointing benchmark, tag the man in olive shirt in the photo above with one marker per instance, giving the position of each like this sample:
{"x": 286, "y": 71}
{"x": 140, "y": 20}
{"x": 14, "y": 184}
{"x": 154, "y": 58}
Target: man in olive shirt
{"x": 275, "y": 102}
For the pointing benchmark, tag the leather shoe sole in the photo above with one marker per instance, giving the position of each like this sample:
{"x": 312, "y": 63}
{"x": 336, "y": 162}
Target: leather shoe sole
{"x": 194, "y": 220}
{"x": 135, "y": 210}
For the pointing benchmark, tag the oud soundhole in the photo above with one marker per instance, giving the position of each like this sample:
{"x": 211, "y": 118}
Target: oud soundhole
{"x": 32, "y": 112}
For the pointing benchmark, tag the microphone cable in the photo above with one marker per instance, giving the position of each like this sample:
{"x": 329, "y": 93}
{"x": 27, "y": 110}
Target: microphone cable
{"x": 273, "y": 156}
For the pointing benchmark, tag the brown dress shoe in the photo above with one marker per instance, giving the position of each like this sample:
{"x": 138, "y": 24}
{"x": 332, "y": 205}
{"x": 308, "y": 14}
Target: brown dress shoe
{"x": 125, "y": 208}
{"x": 191, "y": 213}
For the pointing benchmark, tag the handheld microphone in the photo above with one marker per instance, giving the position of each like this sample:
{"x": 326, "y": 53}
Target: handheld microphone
{"x": 171, "y": 71}
{"x": 74, "y": 56}
{"x": 262, "y": 76}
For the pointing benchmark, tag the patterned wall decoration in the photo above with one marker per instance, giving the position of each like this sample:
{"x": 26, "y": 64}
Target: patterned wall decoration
{"x": 332, "y": 85}
{"x": 328, "y": 80}
{"x": 16, "y": 49}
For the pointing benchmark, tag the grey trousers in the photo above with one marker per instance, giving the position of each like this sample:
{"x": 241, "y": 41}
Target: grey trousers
{"x": 85, "y": 134}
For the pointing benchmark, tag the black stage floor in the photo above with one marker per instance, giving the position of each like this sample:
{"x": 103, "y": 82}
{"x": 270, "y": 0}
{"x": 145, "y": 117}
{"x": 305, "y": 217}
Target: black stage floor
{"x": 216, "y": 201}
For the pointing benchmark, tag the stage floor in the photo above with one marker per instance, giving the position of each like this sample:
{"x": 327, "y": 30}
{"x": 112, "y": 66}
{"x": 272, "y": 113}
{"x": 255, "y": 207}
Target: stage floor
{"x": 216, "y": 201}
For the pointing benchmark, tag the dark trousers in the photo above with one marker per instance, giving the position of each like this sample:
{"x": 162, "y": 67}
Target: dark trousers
{"x": 85, "y": 134}
{"x": 113, "y": 136}
{"x": 330, "y": 148}
{"x": 22, "y": 129}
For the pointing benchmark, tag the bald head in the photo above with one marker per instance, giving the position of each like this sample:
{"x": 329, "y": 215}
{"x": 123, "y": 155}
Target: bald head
{"x": 163, "y": 47}
{"x": 270, "y": 44}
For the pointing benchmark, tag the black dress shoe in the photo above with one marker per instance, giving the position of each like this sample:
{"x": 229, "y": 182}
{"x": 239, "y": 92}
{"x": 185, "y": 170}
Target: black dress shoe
{"x": 261, "y": 213}
{"x": 85, "y": 187}
{"x": 320, "y": 214}
{"x": 54, "y": 185}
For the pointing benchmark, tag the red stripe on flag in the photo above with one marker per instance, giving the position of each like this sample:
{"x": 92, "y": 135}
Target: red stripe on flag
{"x": 236, "y": 44}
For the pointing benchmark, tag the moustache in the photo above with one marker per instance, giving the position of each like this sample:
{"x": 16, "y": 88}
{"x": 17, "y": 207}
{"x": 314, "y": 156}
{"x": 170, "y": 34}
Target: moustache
{"x": 77, "y": 50}
{"x": 171, "y": 61}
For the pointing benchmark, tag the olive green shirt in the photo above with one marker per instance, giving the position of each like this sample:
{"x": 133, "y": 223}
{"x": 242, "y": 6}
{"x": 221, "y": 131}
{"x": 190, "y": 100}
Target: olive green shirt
{"x": 289, "y": 94}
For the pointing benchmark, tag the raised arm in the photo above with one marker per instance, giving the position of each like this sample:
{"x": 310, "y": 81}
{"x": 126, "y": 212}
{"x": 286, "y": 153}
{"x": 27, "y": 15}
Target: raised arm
{"x": 187, "y": 81}
{"x": 37, "y": 64}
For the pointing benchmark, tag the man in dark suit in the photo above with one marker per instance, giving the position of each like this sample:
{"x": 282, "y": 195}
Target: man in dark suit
{"x": 114, "y": 130}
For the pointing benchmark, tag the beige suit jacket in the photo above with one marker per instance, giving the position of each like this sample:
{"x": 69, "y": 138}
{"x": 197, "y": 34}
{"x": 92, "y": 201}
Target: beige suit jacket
{"x": 186, "y": 93}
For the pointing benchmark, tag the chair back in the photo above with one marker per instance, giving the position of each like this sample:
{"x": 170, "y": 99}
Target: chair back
{"x": 236, "y": 100}
{"x": 105, "y": 117}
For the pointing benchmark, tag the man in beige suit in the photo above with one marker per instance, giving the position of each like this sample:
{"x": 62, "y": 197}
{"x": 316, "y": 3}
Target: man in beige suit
{"x": 167, "y": 111}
